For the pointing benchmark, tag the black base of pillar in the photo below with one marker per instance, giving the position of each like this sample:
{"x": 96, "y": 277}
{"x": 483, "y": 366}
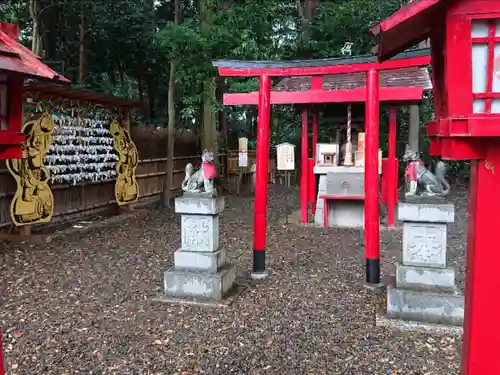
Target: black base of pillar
{"x": 373, "y": 271}
{"x": 259, "y": 261}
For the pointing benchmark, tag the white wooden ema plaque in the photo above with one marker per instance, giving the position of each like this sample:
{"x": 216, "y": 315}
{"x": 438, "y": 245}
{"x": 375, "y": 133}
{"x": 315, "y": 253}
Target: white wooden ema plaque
{"x": 286, "y": 156}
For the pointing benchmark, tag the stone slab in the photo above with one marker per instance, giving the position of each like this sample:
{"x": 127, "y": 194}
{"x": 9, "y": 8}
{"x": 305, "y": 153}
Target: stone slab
{"x": 430, "y": 213}
{"x": 231, "y": 296}
{"x": 325, "y": 168}
{"x": 424, "y": 244}
{"x": 429, "y": 307}
{"x": 199, "y": 205}
{"x": 209, "y": 262}
{"x": 200, "y": 233}
{"x": 412, "y": 326}
{"x": 189, "y": 284}
{"x": 418, "y": 199}
{"x": 202, "y": 194}
{"x": 345, "y": 184}
{"x": 424, "y": 278}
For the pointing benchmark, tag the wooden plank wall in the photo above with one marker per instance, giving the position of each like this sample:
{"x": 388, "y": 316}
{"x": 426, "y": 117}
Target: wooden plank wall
{"x": 90, "y": 198}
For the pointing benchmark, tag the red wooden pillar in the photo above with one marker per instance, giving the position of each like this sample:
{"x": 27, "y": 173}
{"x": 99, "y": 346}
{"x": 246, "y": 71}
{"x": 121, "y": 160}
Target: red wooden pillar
{"x": 304, "y": 152}
{"x": 482, "y": 305}
{"x": 393, "y": 169}
{"x": 312, "y": 176}
{"x": 372, "y": 210}
{"x": 261, "y": 178}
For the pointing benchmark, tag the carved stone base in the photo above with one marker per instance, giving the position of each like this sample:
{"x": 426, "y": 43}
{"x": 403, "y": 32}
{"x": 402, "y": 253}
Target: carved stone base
{"x": 200, "y": 268}
{"x": 425, "y": 288}
{"x": 425, "y": 306}
{"x": 200, "y": 260}
{"x": 425, "y": 278}
{"x": 207, "y": 286}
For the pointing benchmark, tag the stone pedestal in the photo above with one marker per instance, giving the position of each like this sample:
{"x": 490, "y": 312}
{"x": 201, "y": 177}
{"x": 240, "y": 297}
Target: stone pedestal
{"x": 425, "y": 287}
{"x": 200, "y": 268}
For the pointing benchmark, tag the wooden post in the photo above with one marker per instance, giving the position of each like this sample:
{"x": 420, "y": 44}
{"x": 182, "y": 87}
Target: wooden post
{"x": 261, "y": 179}
{"x": 481, "y": 322}
{"x": 372, "y": 210}
{"x": 304, "y": 151}
{"x": 392, "y": 192}
{"x": 414, "y": 127}
{"x": 314, "y": 184}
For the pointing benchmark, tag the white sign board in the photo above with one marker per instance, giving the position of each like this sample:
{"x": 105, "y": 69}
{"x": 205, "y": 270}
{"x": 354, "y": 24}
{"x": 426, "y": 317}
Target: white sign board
{"x": 243, "y": 159}
{"x": 243, "y": 144}
{"x": 285, "y": 153}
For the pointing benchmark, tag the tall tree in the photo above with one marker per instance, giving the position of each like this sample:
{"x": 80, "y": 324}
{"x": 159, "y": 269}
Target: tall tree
{"x": 167, "y": 187}
{"x": 209, "y": 140}
{"x": 81, "y": 49}
{"x": 35, "y": 19}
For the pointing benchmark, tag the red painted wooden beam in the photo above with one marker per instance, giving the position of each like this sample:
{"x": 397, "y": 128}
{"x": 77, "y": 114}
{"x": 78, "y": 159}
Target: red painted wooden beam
{"x": 322, "y": 70}
{"x": 403, "y": 15}
{"x": 387, "y": 94}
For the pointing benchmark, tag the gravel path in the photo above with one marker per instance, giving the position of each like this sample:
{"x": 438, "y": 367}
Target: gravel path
{"x": 81, "y": 304}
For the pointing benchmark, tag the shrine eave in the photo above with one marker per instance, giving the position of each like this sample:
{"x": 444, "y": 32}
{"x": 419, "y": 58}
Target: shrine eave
{"x": 52, "y": 91}
{"x": 406, "y": 27}
{"x": 240, "y": 68}
{"x": 16, "y": 58}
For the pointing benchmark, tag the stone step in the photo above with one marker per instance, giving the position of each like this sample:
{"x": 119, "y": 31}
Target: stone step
{"x": 182, "y": 283}
{"x": 425, "y": 278}
{"x": 429, "y": 307}
{"x": 207, "y": 261}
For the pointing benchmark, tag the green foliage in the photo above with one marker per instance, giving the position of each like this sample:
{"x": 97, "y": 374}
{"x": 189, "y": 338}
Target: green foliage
{"x": 129, "y": 44}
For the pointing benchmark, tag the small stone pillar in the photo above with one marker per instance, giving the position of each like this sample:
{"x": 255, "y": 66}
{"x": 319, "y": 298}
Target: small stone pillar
{"x": 425, "y": 287}
{"x": 200, "y": 268}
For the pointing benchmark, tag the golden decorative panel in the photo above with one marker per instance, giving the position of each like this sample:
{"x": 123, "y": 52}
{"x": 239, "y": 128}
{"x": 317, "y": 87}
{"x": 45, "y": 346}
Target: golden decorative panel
{"x": 33, "y": 201}
{"x": 126, "y": 187}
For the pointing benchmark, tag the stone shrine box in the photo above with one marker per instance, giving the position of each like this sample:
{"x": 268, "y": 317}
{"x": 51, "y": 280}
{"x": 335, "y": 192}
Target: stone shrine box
{"x": 285, "y": 153}
{"x": 327, "y": 154}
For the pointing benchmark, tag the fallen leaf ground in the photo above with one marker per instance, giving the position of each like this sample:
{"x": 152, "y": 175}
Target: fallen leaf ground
{"x": 81, "y": 304}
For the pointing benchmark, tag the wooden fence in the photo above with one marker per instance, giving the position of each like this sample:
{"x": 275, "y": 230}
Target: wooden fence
{"x": 90, "y": 198}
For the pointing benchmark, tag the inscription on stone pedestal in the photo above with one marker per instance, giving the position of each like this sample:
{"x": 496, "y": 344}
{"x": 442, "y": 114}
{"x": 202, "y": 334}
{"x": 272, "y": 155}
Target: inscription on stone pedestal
{"x": 199, "y": 233}
{"x": 424, "y": 244}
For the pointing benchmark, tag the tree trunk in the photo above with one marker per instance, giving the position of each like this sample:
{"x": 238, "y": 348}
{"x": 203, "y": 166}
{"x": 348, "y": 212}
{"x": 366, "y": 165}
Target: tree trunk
{"x": 169, "y": 177}
{"x": 81, "y": 66}
{"x": 307, "y": 11}
{"x": 209, "y": 119}
{"x": 35, "y": 39}
{"x": 220, "y": 88}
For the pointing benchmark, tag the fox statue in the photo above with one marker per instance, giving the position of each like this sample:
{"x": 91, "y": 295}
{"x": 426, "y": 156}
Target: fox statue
{"x": 422, "y": 182}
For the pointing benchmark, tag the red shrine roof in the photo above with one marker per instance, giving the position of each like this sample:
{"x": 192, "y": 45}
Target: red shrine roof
{"x": 14, "y": 57}
{"x": 406, "y": 27}
{"x": 403, "y": 77}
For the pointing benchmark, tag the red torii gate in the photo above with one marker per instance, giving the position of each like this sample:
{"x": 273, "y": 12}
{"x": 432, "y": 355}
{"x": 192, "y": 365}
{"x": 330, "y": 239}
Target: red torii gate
{"x": 465, "y": 42}
{"x": 316, "y": 94}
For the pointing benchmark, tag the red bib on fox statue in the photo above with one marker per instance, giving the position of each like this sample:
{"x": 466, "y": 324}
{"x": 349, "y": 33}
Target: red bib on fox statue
{"x": 411, "y": 170}
{"x": 209, "y": 171}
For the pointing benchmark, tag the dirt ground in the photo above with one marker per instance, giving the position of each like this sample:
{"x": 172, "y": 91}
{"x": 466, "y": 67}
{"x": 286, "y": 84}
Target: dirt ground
{"x": 81, "y": 304}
